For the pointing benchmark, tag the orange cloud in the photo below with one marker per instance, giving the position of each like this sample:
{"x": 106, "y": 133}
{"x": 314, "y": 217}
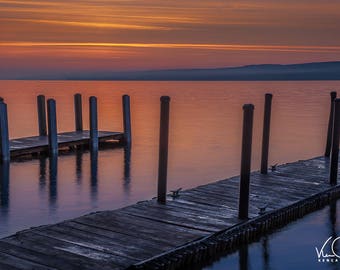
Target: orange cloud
{"x": 231, "y": 47}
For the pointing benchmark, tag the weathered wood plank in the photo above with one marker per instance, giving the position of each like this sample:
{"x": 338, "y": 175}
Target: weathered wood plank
{"x": 69, "y": 254}
{"x": 8, "y": 261}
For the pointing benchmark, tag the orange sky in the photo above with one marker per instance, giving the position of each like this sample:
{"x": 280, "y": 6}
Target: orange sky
{"x": 42, "y": 37}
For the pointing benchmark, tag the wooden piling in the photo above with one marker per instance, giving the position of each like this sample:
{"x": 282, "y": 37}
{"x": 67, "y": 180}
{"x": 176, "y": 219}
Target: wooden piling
{"x": 163, "y": 149}
{"x": 93, "y": 124}
{"x": 335, "y": 143}
{"x": 52, "y": 127}
{"x": 126, "y": 119}
{"x": 4, "y": 136}
{"x": 330, "y": 126}
{"x": 266, "y": 133}
{"x": 78, "y": 112}
{"x": 248, "y": 113}
{"x": 41, "y": 106}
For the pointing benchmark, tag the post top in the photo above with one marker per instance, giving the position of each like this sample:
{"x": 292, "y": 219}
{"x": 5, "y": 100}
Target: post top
{"x": 248, "y": 107}
{"x": 93, "y": 98}
{"x": 269, "y": 95}
{"x": 333, "y": 94}
{"x": 51, "y": 100}
{"x": 165, "y": 98}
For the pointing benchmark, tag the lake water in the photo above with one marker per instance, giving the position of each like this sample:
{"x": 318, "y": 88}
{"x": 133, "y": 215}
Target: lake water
{"x": 292, "y": 247}
{"x": 205, "y": 141}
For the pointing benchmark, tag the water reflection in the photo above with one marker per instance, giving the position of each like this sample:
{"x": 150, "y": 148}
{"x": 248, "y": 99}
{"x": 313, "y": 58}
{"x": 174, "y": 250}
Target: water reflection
{"x": 292, "y": 247}
{"x": 127, "y": 168}
{"x": 94, "y": 175}
{"x": 42, "y": 174}
{"x": 53, "y": 173}
{"x": 333, "y": 228}
{"x": 4, "y": 187}
{"x": 243, "y": 258}
{"x": 265, "y": 253}
{"x": 79, "y": 165}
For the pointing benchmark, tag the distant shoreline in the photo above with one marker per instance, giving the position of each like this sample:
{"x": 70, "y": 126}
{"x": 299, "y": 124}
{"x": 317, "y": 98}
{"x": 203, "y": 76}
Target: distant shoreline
{"x": 319, "y": 71}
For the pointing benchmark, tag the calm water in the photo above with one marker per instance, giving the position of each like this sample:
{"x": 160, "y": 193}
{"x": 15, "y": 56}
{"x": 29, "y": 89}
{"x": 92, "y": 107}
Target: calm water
{"x": 205, "y": 131}
{"x": 290, "y": 248}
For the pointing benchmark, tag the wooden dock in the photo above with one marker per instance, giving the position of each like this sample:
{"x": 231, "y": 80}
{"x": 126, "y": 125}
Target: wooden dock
{"x": 50, "y": 140}
{"x": 36, "y": 144}
{"x": 194, "y": 226}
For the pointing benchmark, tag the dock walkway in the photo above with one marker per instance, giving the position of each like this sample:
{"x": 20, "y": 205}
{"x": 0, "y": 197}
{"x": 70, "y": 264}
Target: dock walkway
{"x": 198, "y": 223}
{"x": 35, "y": 144}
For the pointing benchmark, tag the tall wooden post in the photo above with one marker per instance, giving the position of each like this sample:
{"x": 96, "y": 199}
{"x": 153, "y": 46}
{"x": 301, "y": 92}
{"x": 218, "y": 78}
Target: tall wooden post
{"x": 266, "y": 133}
{"x": 41, "y": 105}
{"x": 248, "y": 113}
{"x": 52, "y": 127}
{"x": 78, "y": 112}
{"x": 127, "y": 119}
{"x": 330, "y": 126}
{"x": 4, "y": 134}
{"x": 335, "y": 144}
{"x": 93, "y": 124}
{"x": 163, "y": 149}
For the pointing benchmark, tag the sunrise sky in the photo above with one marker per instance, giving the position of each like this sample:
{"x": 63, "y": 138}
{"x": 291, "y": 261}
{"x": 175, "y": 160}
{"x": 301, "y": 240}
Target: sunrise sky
{"x": 68, "y": 36}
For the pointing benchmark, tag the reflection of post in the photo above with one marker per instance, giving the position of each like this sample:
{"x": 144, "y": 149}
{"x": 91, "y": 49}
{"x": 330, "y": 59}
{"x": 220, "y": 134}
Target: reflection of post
{"x": 4, "y": 185}
{"x": 79, "y": 164}
{"x": 42, "y": 172}
{"x": 332, "y": 219}
{"x": 265, "y": 252}
{"x": 94, "y": 174}
{"x": 53, "y": 170}
{"x": 243, "y": 257}
{"x": 127, "y": 167}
